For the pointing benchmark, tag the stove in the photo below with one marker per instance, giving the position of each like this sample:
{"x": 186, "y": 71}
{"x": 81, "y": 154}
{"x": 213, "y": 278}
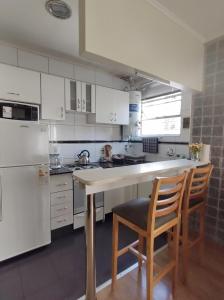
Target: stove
{"x": 77, "y": 167}
{"x": 79, "y": 197}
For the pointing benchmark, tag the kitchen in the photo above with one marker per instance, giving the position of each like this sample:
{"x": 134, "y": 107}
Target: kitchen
{"x": 79, "y": 113}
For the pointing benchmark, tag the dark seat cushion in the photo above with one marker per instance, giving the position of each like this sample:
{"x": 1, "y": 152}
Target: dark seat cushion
{"x": 136, "y": 212}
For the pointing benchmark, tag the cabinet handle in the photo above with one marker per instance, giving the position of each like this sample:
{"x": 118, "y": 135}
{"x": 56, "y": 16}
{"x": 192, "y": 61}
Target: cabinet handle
{"x": 64, "y": 208}
{"x": 61, "y": 221}
{"x": 12, "y": 93}
{"x": 78, "y": 103}
{"x": 62, "y": 184}
{"x": 115, "y": 117}
{"x": 62, "y": 111}
{"x": 83, "y": 104}
{"x": 111, "y": 117}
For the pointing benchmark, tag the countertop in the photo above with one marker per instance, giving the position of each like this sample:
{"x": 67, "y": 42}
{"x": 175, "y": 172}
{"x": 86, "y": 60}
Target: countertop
{"x": 105, "y": 165}
{"x": 62, "y": 170}
{"x": 96, "y": 180}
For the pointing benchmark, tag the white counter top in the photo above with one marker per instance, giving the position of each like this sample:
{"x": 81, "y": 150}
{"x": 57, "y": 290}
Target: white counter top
{"x": 97, "y": 180}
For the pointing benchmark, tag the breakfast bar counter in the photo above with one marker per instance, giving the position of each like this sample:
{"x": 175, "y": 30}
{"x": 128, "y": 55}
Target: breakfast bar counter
{"x": 98, "y": 180}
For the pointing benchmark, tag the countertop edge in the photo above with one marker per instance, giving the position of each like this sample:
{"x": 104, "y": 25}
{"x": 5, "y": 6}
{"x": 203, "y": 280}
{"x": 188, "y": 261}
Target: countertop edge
{"x": 186, "y": 164}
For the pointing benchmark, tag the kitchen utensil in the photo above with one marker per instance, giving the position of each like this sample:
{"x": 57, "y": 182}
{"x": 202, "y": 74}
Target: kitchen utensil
{"x": 84, "y": 157}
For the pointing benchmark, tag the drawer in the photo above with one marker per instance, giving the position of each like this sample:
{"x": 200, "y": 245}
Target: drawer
{"x": 62, "y": 209}
{"x": 61, "y": 221}
{"x": 79, "y": 219}
{"x": 61, "y": 183}
{"x": 61, "y": 197}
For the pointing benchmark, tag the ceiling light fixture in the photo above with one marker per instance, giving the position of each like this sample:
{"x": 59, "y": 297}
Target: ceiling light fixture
{"x": 58, "y": 9}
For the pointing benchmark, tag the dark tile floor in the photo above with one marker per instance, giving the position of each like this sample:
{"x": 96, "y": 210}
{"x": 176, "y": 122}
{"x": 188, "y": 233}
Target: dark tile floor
{"x": 57, "y": 272}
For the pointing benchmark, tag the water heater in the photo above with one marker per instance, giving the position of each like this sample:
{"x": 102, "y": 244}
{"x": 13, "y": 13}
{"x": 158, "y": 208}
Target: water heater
{"x": 133, "y": 130}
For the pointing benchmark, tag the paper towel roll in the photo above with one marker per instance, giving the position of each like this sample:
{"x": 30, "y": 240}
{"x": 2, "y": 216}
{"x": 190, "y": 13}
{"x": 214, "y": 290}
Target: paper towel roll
{"x": 205, "y": 153}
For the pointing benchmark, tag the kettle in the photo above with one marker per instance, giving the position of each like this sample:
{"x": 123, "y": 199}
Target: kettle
{"x": 84, "y": 156}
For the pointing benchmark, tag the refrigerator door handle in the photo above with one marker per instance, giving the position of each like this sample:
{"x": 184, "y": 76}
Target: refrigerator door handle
{"x": 0, "y": 199}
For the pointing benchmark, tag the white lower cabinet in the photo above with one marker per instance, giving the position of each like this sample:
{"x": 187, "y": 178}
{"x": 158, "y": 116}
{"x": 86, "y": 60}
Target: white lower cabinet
{"x": 80, "y": 219}
{"x": 119, "y": 196}
{"x": 145, "y": 189}
{"x": 61, "y": 187}
{"x": 61, "y": 221}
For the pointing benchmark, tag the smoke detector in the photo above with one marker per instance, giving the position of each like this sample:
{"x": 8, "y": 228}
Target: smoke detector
{"x": 58, "y": 9}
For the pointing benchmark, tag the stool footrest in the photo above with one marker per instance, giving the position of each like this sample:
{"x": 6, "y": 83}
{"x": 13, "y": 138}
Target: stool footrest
{"x": 164, "y": 271}
{"x": 126, "y": 249}
{"x": 138, "y": 254}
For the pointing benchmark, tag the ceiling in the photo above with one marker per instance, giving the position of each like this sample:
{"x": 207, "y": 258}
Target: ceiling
{"x": 27, "y": 23}
{"x": 204, "y": 17}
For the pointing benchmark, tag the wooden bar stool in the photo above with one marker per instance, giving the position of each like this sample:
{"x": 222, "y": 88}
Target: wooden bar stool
{"x": 150, "y": 218}
{"x": 194, "y": 201}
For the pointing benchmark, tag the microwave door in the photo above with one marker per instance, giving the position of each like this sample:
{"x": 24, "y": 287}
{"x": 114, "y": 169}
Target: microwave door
{"x": 19, "y": 111}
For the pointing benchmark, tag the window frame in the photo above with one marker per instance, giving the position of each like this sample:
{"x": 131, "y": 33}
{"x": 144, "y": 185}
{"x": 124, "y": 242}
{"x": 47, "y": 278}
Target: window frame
{"x": 155, "y": 99}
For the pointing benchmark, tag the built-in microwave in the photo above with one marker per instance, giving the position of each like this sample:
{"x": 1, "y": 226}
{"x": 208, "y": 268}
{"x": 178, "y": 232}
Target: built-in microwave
{"x": 18, "y": 111}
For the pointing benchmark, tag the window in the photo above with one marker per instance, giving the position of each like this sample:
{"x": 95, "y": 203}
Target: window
{"x": 161, "y": 115}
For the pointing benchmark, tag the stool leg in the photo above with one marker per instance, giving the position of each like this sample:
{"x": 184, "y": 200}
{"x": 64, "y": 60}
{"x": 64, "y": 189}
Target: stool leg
{"x": 149, "y": 267}
{"x": 185, "y": 245}
{"x": 114, "y": 249}
{"x": 176, "y": 236}
{"x": 140, "y": 249}
{"x": 202, "y": 234}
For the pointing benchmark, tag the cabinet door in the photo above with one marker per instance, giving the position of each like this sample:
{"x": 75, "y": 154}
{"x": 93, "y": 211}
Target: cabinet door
{"x": 83, "y": 84}
{"x": 104, "y": 105}
{"x": 73, "y": 95}
{"x": 113, "y": 198}
{"x": 121, "y": 107}
{"x": 78, "y": 96}
{"x": 90, "y": 97}
{"x": 145, "y": 189}
{"x": 53, "y": 97}
{"x": 19, "y": 84}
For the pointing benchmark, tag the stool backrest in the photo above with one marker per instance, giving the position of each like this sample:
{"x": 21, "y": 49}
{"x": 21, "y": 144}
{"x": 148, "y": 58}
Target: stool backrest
{"x": 197, "y": 184}
{"x": 166, "y": 197}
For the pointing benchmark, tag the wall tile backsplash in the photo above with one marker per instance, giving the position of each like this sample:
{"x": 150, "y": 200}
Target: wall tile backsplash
{"x": 76, "y": 128}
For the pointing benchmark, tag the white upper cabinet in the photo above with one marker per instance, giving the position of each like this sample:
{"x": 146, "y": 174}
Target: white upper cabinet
{"x": 112, "y": 106}
{"x": 104, "y": 105}
{"x": 53, "y": 97}
{"x": 79, "y": 96}
{"x": 121, "y": 107}
{"x": 18, "y": 84}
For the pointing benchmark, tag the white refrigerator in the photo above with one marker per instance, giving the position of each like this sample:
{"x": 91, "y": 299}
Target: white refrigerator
{"x": 24, "y": 187}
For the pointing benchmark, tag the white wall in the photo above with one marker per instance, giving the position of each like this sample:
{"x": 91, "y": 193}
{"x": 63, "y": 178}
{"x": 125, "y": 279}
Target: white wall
{"x": 135, "y": 33}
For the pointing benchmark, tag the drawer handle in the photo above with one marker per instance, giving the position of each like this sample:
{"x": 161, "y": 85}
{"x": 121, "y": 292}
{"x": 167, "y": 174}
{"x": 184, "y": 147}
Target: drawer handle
{"x": 61, "y": 221}
{"x": 61, "y": 197}
{"x": 12, "y": 93}
{"x": 62, "y": 184}
{"x": 60, "y": 209}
